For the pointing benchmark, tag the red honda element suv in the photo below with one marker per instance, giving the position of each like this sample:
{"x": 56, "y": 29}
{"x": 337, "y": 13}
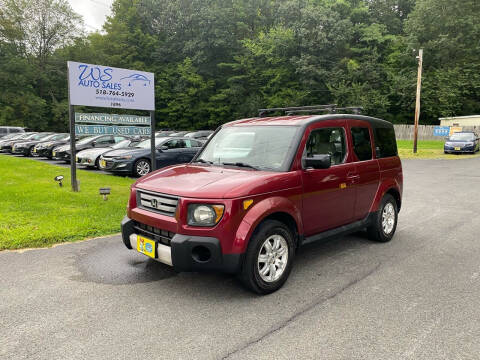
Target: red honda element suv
{"x": 262, "y": 187}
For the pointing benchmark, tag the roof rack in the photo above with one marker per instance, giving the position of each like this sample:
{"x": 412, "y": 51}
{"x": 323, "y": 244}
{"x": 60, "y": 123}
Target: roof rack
{"x": 331, "y": 109}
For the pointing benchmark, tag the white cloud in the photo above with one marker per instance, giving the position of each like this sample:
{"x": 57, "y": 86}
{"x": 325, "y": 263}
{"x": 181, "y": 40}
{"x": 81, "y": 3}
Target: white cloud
{"x": 94, "y": 12}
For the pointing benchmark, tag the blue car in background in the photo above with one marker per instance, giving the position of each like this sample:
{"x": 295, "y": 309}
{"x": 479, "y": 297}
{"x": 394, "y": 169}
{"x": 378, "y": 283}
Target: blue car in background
{"x": 462, "y": 142}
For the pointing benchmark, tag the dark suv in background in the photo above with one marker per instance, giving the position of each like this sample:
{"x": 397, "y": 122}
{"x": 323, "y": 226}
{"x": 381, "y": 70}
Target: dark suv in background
{"x": 262, "y": 187}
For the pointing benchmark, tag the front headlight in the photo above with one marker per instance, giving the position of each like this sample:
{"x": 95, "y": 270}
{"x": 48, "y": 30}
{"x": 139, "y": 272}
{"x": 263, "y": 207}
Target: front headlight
{"x": 204, "y": 214}
{"x": 125, "y": 157}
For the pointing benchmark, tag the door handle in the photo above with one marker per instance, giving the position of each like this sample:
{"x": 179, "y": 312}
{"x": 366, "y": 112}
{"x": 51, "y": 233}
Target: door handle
{"x": 353, "y": 177}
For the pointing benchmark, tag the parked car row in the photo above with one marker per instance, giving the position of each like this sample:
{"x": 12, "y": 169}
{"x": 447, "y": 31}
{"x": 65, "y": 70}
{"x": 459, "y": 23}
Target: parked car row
{"x": 128, "y": 155}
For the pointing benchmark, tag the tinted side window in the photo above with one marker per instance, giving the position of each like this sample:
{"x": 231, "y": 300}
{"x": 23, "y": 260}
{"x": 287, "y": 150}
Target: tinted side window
{"x": 327, "y": 141}
{"x": 3, "y": 131}
{"x": 362, "y": 146}
{"x": 385, "y": 142}
{"x": 104, "y": 140}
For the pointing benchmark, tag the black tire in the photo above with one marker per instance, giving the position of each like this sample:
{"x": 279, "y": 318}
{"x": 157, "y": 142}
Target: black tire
{"x": 376, "y": 231}
{"x": 30, "y": 151}
{"x": 136, "y": 170}
{"x": 97, "y": 163}
{"x": 250, "y": 273}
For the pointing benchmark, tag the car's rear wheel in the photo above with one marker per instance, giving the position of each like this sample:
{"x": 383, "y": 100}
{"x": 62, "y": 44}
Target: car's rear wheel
{"x": 269, "y": 258}
{"x": 384, "y": 223}
{"x": 141, "y": 167}
{"x": 30, "y": 151}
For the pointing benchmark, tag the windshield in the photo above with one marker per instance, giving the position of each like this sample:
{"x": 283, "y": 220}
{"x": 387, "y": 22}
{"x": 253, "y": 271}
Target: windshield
{"x": 39, "y": 136}
{"x": 60, "y": 137}
{"x": 86, "y": 140}
{"x": 145, "y": 144}
{"x": 463, "y": 136}
{"x": 11, "y": 136}
{"x": 121, "y": 144}
{"x": 260, "y": 147}
{"x": 50, "y": 137}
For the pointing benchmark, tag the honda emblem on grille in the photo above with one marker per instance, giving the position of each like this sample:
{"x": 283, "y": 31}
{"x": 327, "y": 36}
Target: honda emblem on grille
{"x": 154, "y": 203}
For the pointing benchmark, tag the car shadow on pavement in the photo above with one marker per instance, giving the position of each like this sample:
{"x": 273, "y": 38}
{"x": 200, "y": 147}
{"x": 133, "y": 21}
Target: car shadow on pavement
{"x": 109, "y": 262}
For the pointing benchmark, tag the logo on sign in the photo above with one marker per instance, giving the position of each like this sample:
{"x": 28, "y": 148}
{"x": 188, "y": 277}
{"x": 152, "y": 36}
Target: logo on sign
{"x": 93, "y": 76}
{"x": 136, "y": 79}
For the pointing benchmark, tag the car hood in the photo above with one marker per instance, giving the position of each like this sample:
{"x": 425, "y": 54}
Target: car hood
{"x": 62, "y": 148}
{"x": 212, "y": 182}
{"x": 93, "y": 151}
{"x": 129, "y": 151}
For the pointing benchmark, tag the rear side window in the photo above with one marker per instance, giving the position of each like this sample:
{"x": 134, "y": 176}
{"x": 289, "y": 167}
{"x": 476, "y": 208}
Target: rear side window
{"x": 362, "y": 145}
{"x": 385, "y": 142}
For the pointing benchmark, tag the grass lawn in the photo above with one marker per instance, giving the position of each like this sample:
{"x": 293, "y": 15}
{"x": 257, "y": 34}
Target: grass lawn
{"x": 36, "y": 212}
{"x": 427, "y": 149}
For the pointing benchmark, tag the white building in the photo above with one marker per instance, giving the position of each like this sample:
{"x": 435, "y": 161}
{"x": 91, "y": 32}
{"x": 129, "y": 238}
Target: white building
{"x": 462, "y": 121}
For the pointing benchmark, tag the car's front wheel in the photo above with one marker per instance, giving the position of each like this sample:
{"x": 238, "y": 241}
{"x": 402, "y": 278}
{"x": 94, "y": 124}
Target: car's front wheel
{"x": 384, "y": 223}
{"x": 141, "y": 167}
{"x": 269, "y": 258}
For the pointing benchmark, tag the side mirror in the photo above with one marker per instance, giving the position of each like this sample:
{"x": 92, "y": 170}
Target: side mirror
{"x": 94, "y": 143}
{"x": 164, "y": 147}
{"x": 322, "y": 161}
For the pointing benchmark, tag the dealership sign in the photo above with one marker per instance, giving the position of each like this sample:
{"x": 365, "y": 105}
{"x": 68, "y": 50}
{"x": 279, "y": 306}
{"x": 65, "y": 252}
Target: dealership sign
{"x": 105, "y": 86}
{"x": 111, "y": 130}
{"x": 107, "y": 119}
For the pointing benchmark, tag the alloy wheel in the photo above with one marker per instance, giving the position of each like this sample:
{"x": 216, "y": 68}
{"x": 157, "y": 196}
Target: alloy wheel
{"x": 143, "y": 168}
{"x": 272, "y": 258}
{"x": 388, "y": 218}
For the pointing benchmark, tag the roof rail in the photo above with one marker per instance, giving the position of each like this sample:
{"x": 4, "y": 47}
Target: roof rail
{"x": 262, "y": 112}
{"x": 331, "y": 109}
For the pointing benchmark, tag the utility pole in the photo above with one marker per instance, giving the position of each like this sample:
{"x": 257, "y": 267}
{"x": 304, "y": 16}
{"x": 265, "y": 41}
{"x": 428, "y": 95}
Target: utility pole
{"x": 417, "y": 105}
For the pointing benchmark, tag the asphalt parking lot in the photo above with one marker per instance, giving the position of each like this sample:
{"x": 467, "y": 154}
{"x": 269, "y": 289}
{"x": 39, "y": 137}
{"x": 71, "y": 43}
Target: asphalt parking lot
{"x": 417, "y": 297}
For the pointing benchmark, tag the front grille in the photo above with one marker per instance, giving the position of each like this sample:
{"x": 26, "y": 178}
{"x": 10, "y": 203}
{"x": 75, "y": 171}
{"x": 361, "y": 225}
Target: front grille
{"x": 159, "y": 203}
{"x": 159, "y": 235}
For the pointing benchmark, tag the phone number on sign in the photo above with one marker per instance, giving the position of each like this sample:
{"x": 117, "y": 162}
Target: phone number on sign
{"x": 114, "y": 93}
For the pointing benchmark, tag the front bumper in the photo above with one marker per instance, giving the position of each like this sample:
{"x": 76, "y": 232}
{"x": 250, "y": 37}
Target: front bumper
{"x": 459, "y": 149}
{"x": 184, "y": 252}
{"x": 85, "y": 161}
{"x": 63, "y": 155}
{"x": 19, "y": 150}
{"x": 120, "y": 166}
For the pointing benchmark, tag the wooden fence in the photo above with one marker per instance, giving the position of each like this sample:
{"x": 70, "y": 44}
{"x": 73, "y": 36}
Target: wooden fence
{"x": 425, "y": 132}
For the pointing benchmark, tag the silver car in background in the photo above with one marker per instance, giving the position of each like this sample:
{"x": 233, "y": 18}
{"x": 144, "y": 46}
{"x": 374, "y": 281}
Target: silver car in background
{"x": 91, "y": 157}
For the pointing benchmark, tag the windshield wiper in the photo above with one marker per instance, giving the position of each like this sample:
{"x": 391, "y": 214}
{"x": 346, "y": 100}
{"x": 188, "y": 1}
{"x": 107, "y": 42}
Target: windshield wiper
{"x": 203, "y": 161}
{"x": 240, "y": 164}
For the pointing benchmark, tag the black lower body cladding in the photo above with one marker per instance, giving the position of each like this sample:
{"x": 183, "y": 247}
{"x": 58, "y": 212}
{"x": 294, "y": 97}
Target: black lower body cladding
{"x": 192, "y": 253}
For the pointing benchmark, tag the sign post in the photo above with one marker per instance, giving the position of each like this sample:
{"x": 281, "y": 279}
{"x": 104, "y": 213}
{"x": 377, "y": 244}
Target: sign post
{"x": 152, "y": 141}
{"x": 109, "y": 87}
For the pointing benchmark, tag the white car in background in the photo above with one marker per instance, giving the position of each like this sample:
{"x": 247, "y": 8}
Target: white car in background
{"x": 91, "y": 157}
